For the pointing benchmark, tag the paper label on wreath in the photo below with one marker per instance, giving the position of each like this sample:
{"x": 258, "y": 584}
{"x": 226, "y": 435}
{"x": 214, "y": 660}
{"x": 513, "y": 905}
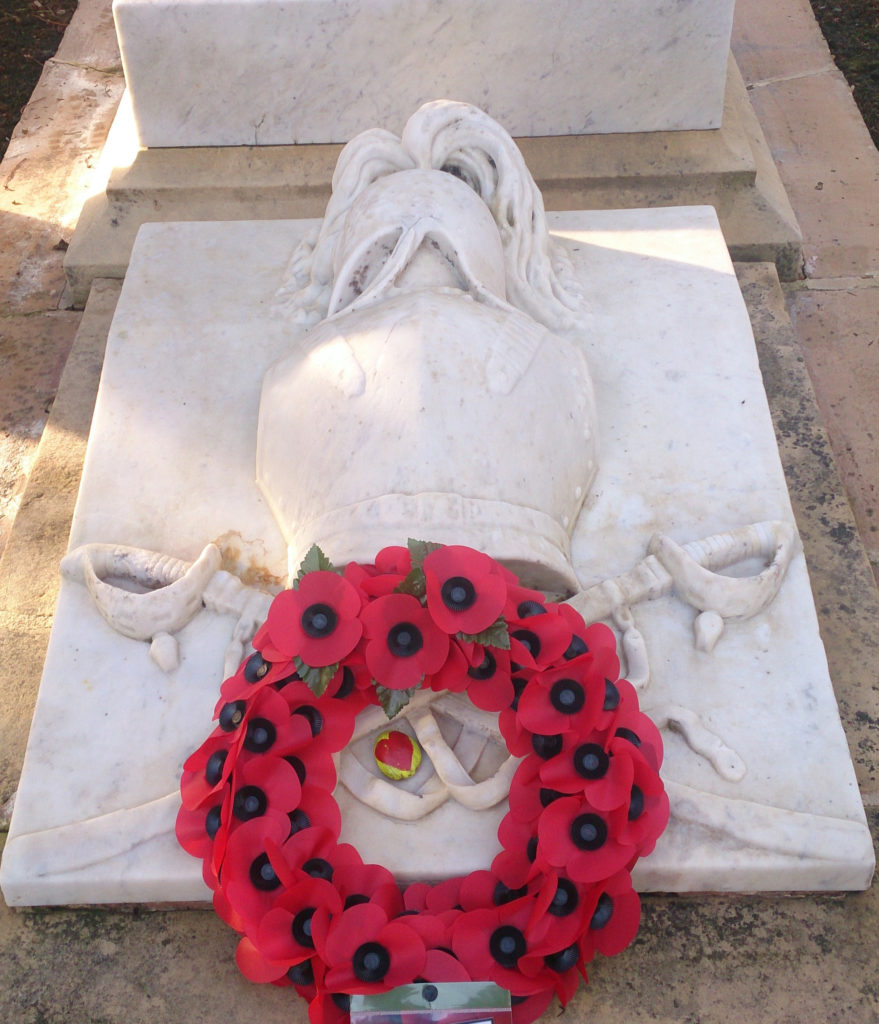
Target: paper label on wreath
{"x": 474, "y": 1002}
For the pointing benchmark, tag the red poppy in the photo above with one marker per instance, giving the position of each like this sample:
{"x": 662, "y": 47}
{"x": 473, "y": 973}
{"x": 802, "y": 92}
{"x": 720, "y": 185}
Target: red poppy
{"x": 614, "y": 910}
{"x": 516, "y": 865}
{"x": 563, "y": 699}
{"x": 524, "y": 603}
{"x": 465, "y": 589}
{"x": 252, "y": 879}
{"x": 284, "y": 934}
{"x": 573, "y": 835}
{"x": 486, "y": 889}
{"x": 255, "y": 673}
{"x": 415, "y": 897}
{"x": 539, "y": 641}
{"x": 255, "y": 966}
{"x": 404, "y": 642}
{"x": 517, "y": 737}
{"x": 527, "y": 797}
{"x": 441, "y": 966}
{"x": 443, "y": 896}
{"x": 371, "y": 583}
{"x": 265, "y": 785}
{"x": 269, "y": 728}
{"x": 491, "y": 941}
{"x": 365, "y": 952}
{"x": 632, "y": 725}
{"x": 642, "y": 818}
{"x": 490, "y": 685}
{"x": 394, "y": 559}
{"x": 562, "y": 898}
{"x": 317, "y": 809}
{"x": 207, "y": 770}
{"x": 433, "y": 928}
{"x": 329, "y": 1007}
{"x": 453, "y": 675}
{"x": 196, "y": 829}
{"x": 318, "y": 621}
{"x": 603, "y": 771}
{"x": 362, "y": 883}
{"x": 526, "y": 1009}
{"x": 330, "y": 721}
{"x": 352, "y": 684}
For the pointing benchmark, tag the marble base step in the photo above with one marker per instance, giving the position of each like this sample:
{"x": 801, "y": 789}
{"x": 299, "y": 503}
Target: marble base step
{"x": 729, "y": 168}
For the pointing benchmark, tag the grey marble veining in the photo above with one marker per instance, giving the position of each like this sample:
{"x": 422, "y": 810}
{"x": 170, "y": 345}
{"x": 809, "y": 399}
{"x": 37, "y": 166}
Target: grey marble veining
{"x": 270, "y": 72}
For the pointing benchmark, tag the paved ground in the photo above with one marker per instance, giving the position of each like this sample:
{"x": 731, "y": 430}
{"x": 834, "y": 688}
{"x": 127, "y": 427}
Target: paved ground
{"x": 705, "y": 960}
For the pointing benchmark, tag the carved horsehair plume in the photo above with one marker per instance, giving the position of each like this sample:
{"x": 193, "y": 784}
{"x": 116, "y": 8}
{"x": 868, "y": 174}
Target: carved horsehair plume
{"x": 465, "y": 142}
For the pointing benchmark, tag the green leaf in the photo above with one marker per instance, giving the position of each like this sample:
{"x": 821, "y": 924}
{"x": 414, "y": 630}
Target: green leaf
{"x": 420, "y": 549}
{"x": 317, "y": 679}
{"x": 497, "y": 635}
{"x": 393, "y": 701}
{"x": 315, "y": 561}
{"x": 413, "y": 584}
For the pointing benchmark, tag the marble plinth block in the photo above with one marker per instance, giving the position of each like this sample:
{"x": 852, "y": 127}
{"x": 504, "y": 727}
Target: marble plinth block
{"x": 687, "y": 448}
{"x": 264, "y": 72}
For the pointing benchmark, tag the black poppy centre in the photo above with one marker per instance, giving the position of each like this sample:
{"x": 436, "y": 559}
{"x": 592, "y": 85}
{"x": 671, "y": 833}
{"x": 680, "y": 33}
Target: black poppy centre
{"x": 213, "y": 770}
{"x": 300, "y": 927}
{"x": 603, "y": 912}
{"x": 458, "y": 594}
{"x": 249, "y": 802}
{"x": 318, "y": 621}
{"x": 567, "y": 696}
{"x": 404, "y": 640}
{"x": 591, "y": 761}
{"x": 486, "y": 669}
{"x": 260, "y": 735}
{"x": 566, "y": 899}
{"x": 231, "y": 715}
{"x": 256, "y": 667}
{"x": 371, "y": 962}
{"x": 506, "y": 945}
{"x": 262, "y": 874}
{"x": 588, "y": 832}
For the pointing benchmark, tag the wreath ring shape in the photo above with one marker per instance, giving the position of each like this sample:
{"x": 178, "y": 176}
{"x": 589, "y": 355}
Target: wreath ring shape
{"x": 585, "y": 802}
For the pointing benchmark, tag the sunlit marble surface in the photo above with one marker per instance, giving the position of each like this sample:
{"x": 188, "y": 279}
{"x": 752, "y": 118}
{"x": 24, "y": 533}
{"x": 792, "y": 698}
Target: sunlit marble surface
{"x": 687, "y": 447}
{"x": 251, "y": 72}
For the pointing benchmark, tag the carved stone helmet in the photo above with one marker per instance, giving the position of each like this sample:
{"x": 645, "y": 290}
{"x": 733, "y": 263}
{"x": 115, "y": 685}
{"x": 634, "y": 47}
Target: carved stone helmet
{"x": 425, "y": 405}
{"x": 392, "y": 219}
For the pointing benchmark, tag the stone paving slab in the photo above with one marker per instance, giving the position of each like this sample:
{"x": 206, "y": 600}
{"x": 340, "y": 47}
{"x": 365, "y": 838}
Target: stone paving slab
{"x": 839, "y": 333}
{"x": 830, "y": 168}
{"x": 774, "y": 41}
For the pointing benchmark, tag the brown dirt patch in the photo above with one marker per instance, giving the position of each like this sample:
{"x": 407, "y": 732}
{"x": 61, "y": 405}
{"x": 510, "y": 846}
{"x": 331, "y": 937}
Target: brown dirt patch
{"x": 30, "y": 31}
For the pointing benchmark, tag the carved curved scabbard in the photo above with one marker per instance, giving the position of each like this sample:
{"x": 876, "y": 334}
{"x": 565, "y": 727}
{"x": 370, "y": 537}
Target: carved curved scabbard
{"x": 691, "y": 571}
{"x": 142, "y": 593}
{"x": 692, "y": 566}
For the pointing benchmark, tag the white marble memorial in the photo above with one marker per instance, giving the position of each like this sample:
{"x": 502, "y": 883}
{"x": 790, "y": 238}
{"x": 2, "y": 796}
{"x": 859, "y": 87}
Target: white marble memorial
{"x": 763, "y": 794}
{"x": 266, "y": 72}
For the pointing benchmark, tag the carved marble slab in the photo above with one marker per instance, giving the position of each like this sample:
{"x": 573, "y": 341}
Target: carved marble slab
{"x": 687, "y": 448}
{"x": 265, "y": 72}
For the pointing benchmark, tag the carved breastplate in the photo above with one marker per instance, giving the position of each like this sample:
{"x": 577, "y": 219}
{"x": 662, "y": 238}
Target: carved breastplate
{"x": 435, "y": 416}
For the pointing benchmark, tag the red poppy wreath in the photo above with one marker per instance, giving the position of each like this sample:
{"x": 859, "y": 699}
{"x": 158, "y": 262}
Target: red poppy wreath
{"x": 586, "y": 800}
